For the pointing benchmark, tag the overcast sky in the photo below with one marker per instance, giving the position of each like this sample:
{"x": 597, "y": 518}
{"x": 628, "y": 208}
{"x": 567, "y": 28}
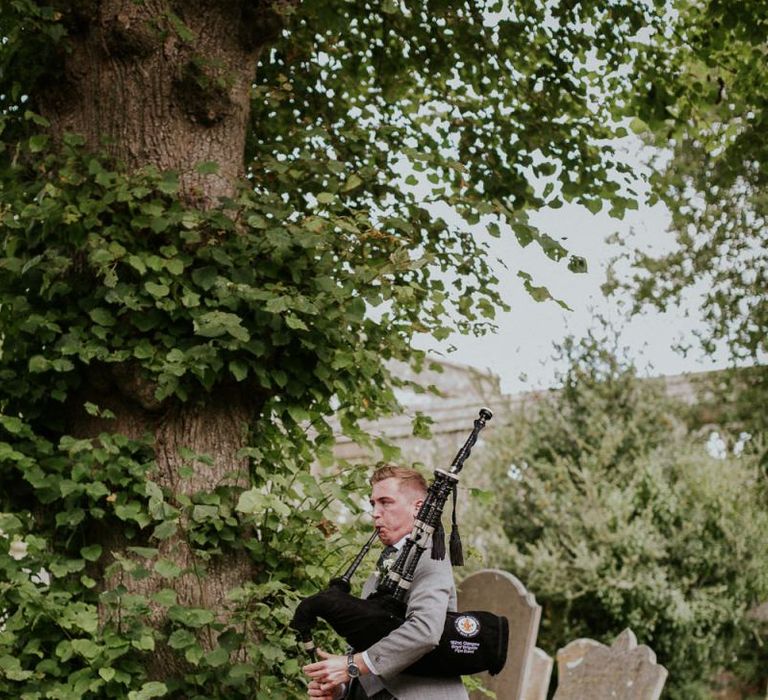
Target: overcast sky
{"x": 521, "y": 351}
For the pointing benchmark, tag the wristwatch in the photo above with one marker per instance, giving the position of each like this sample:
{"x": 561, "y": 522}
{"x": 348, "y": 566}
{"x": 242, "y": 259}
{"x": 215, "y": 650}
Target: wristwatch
{"x": 352, "y": 668}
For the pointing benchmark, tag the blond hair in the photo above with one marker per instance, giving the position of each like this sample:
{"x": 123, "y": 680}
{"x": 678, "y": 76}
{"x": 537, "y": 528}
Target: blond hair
{"x": 409, "y": 478}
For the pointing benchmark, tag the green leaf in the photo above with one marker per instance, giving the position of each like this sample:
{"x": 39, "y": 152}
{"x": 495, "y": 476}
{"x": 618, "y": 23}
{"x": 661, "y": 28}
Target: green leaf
{"x": 64, "y": 567}
{"x": 577, "y": 264}
{"x": 191, "y": 617}
{"x": 251, "y": 501}
{"x": 38, "y": 142}
{"x": 277, "y": 305}
{"x": 257, "y": 221}
{"x": 80, "y": 616}
{"x": 157, "y": 290}
{"x": 217, "y": 657}
{"x": 9, "y": 523}
{"x": 165, "y": 530}
{"x": 38, "y": 363}
{"x": 12, "y": 424}
{"x": 175, "y": 266}
{"x": 166, "y": 597}
{"x": 207, "y": 168}
{"x": 295, "y": 323}
{"x": 537, "y": 293}
{"x": 153, "y": 689}
{"x": 205, "y": 277}
{"x": 239, "y": 369}
{"x": 201, "y": 513}
{"x": 167, "y": 569}
{"x": 594, "y": 205}
{"x": 353, "y": 181}
{"x": 159, "y": 223}
{"x": 154, "y": 262}
{"x": 215, "y": 324}
{"x": 102, "y": 316}
{"x": 137, "y": 264}
{"x": 169, "y": 184}
{"x": 11, "y": 669}
{"x": 181, "y": 639}
{"x": 91, "y": 552}
{"x": 190, "y": 299}
{"x": 86, "y": 648}
{"x": 190, "y": 220}
{"x": 36, "y": 119}
{"x": 145, "y": 642}
{"x": 144, "y": 350}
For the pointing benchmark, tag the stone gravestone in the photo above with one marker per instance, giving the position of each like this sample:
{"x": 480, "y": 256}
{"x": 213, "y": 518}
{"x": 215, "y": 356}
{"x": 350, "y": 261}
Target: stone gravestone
{"x": 571, "y": 655}
{"x": 503, "y": 594}
{"x": 623, "y": 671}
{"x": 539, "y": 675}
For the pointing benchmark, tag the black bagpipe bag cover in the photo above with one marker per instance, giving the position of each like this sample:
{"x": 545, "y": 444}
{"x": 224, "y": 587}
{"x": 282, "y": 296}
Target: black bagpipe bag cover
{"x": 471, "y": 642}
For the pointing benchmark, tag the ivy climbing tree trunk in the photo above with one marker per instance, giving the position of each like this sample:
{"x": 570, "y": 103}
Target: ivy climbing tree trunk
{"x": 166, "y": 85}
{"x": 196, "y": 448}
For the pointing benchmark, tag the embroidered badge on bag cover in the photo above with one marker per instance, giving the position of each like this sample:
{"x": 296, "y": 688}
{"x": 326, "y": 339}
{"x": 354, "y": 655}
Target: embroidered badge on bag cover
{"x": 467, "y": 625}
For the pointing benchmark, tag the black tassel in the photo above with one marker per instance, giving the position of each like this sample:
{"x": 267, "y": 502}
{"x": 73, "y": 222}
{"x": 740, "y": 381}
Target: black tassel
{"x": 457, "y": 551}
{"x": 438, "y": 542}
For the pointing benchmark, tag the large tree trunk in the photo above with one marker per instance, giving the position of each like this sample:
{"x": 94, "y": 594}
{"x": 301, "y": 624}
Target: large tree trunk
{"x": 166, "y": 84}
{"x": 163, "y": 83}
{"x": 215, "y": 426}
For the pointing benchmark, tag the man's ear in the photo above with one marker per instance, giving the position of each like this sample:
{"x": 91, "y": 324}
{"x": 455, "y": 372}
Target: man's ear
{"x": 417, "y": 505}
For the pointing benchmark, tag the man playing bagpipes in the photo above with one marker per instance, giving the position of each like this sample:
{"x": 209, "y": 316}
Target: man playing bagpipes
{"x": 378, "y": 671}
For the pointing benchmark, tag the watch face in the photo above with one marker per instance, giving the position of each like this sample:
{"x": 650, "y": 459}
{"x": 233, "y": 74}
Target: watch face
{"x": 352, "y": 668}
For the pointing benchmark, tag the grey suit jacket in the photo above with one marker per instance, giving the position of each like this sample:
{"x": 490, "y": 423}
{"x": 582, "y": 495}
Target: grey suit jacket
{"x": 432, "y": 593}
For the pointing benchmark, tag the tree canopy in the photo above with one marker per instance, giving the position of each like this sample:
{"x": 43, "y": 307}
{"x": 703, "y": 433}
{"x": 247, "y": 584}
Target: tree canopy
{"x": 701, "y": 102}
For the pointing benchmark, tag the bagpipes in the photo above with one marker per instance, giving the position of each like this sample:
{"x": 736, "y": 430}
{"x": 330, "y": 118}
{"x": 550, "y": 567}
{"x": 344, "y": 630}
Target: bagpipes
{"x": 471, "y": 642}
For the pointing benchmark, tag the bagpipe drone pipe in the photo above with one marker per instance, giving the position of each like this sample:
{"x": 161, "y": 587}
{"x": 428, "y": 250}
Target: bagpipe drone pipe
{"x": 472, "y": 642}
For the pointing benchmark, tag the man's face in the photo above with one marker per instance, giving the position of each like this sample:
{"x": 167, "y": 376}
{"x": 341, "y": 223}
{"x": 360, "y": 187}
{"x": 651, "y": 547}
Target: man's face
{"x": 394, "y": 509}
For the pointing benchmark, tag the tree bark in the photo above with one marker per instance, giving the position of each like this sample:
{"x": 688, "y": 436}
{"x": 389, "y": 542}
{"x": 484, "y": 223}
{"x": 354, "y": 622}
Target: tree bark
{"x": 166, "y": 84}
{"x": 162, "y": 83}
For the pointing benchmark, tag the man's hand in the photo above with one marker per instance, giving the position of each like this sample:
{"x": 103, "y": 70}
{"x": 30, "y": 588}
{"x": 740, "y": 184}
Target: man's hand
{"x": 324, "y": 692}
{"x": 330, "y": 672}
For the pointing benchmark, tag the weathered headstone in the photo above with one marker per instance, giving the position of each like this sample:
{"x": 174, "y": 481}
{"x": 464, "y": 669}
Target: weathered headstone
{"x": 503, "y": 594}
{"x": 623, "y": 671}
{"x": 539, "y": 675}
{"x": 571, "y": 655}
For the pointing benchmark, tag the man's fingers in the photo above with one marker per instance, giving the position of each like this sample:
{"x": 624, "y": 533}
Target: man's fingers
{"x": 314, "y": 669}
{"x": 319, "y": 690}
{"x": 311, "y": 669}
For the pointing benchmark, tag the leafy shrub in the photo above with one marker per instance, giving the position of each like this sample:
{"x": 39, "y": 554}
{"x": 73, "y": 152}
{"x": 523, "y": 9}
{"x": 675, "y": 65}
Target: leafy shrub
{"x": 615, "y": 516}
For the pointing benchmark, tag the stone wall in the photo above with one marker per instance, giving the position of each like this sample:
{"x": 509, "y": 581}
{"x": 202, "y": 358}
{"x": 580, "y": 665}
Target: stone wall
{"x": 463, "y": 390}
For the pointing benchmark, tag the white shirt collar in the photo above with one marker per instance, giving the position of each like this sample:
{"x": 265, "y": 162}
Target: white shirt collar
{"x": 399, "y": 544}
